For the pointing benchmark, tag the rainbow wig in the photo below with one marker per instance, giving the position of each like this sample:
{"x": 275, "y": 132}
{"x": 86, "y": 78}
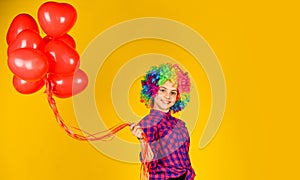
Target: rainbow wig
{"x": 157, "y": 76}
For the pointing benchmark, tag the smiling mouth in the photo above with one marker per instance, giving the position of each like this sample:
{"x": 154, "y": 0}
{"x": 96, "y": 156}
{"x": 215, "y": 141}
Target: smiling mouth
{"x": 166, "y": 102}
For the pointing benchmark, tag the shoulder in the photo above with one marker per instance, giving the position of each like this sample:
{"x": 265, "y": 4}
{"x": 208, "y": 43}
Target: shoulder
{"x": 144, "y": 120}
{"x": 180, "y": 122}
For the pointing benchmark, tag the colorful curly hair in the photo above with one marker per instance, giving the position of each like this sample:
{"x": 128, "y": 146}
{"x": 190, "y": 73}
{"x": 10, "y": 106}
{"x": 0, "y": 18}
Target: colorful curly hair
{"x": 157, "y": 76}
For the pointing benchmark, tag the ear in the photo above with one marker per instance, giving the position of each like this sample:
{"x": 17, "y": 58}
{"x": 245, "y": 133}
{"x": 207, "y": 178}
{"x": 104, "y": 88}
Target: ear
{"x": 152, "y": 101}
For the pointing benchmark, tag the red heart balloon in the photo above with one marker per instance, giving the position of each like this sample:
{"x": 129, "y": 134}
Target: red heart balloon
{"x": 56, "y": 19}
{"x": 47, "y": 39}
{"x": 67, "y": 86}
{"x": 20, "y": 23}
{"x": 28, "y": 64}
{"x": 63, "y": 59}
{"x": 68, "y": 40}
{"x": 65, "y": 38}
{"x": 26, "y": 39}
{"x": 27, "y": 87}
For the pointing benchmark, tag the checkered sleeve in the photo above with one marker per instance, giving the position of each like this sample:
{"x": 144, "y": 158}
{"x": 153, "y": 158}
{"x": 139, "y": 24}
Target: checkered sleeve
{"x": 149, "y": 125}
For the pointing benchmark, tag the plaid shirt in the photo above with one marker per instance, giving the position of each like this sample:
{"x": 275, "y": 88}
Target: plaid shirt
{"x": 169, "y": 140}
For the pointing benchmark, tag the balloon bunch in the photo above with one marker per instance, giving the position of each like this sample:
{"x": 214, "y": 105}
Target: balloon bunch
{"x": 52, "y": 61}
{"x": 35, "y": 61}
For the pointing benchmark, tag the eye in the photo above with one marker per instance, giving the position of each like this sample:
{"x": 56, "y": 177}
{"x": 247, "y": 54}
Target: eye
{"x": 162, "y": 90}
{"x": 174, "y": 93}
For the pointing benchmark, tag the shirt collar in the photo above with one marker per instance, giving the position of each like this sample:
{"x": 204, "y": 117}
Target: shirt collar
{"x": 157, "y": 112}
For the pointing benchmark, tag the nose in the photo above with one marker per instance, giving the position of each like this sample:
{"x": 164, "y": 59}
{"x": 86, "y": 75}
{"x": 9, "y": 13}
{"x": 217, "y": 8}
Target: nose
{"x": 167, "y": 95}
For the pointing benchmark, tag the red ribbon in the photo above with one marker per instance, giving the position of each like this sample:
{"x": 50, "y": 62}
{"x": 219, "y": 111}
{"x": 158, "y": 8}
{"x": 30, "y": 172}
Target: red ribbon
{"x": 96, "y": 136}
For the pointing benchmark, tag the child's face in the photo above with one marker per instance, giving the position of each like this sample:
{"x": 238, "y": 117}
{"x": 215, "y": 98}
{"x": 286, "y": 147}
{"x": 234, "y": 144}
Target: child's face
{"x": 166, "y": 97}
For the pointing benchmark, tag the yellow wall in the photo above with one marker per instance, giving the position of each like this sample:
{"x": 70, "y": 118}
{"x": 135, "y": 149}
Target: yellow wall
{"x": 257, "y": 44}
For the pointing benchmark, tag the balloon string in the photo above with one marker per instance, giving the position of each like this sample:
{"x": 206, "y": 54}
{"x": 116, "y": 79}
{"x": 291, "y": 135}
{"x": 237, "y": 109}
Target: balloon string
{"x": 90, "y": 137}
{"x": 93, "y": 137}
{"x": 144, "y": 173}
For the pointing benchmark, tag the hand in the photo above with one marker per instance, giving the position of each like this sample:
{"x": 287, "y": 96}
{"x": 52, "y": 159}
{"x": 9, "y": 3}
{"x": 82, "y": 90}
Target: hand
{"x": 137, "y": 131}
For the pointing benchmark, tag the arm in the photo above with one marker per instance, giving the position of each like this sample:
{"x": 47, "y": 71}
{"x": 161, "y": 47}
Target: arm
{"x": 138, "y": 132}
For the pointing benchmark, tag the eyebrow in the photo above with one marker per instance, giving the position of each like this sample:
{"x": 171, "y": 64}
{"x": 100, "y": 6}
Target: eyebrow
{"x": 167, "y": 88}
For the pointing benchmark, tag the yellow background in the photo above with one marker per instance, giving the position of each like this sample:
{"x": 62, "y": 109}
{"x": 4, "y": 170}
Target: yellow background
{"x": 257, "y": 43}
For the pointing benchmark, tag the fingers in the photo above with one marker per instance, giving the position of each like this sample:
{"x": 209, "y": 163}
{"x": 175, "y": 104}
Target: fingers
{"x": 136, "y": 130}
{"x": 132, "y": 126}
{"x": 148, "y": 156}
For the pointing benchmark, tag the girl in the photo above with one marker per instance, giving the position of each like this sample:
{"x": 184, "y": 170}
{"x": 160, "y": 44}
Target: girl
{"x": 165, "y": 90}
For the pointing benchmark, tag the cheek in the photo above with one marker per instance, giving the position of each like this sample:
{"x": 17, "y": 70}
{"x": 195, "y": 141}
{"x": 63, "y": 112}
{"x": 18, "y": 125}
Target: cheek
{"x": 156, "y": 99}
{"x": 174, "y": 100}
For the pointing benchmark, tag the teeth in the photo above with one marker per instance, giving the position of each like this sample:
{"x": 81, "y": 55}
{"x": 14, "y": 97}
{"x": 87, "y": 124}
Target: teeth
{"x": 166, "y": 102}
